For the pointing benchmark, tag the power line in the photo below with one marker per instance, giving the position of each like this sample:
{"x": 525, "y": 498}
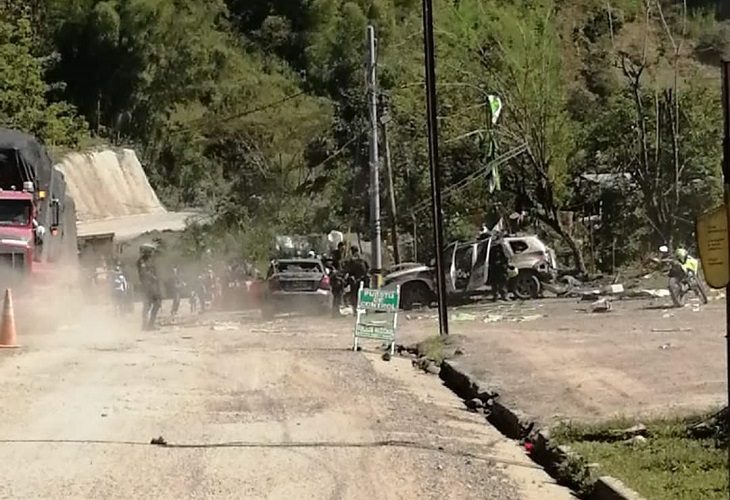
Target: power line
{"x": 242, "y": 114}
{"x": 473, "y": 177}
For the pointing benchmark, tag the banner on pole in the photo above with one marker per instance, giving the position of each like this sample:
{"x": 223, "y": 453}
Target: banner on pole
{"x": 377, "y": 315}
{"x": 495, "y": 105}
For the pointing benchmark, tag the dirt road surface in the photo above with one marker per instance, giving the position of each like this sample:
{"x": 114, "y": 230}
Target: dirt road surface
{"x": 249, "y": 410}
{"x": 553, "y": 360}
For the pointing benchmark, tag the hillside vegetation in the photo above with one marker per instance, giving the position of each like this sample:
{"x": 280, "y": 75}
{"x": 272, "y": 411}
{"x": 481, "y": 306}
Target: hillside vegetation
{"x": 257, "y": 110}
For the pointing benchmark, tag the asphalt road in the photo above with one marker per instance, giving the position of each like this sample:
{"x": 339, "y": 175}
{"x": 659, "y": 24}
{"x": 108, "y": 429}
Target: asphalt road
{"x": 249, "y": 410}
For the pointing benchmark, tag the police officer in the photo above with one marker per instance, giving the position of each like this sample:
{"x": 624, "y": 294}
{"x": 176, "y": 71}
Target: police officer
{"x": 150, "y": 281}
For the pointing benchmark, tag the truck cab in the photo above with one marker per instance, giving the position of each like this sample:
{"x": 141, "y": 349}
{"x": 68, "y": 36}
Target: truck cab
{"x": 18, "y": 236}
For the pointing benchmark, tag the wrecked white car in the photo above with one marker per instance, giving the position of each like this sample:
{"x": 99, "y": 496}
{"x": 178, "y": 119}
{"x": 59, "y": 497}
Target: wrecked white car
{"x": 467, "y": 270}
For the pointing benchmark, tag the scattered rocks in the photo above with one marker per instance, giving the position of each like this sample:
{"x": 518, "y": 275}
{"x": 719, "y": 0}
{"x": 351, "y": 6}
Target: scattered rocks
{"x": 386, "y": 356}
{"x": 221, "y": 326}
{"x": 159, "y": 441}
{"x": 601, "y": 306}
{"x": 474, "y": 404}
{"x": 461, "y": 316}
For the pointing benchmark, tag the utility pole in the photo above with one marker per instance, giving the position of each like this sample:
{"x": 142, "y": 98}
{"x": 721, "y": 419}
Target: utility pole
{"x": 433, "y": 160}
{"x": 374, "y": 191}
{"x": 385, "y": 120}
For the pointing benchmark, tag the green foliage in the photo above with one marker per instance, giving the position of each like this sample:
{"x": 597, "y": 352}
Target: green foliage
{"x": 257, "y": 111}
{"x": 23, "y": 102}
{"x": 669, "y": 465}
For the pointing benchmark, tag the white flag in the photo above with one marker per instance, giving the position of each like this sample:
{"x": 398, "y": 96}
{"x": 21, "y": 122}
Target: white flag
{"x": 495, "y": 105}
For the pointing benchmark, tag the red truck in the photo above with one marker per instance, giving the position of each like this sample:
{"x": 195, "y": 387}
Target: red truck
{"x": 37, "y": 217}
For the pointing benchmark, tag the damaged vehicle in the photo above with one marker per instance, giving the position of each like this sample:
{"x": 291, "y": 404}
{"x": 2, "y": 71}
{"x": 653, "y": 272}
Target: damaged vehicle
{"x": 296, "y": 284}
{"x": 531, "y": 263}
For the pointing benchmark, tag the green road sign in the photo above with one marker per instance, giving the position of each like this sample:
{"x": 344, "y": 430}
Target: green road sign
{"x": 377, "y": 315}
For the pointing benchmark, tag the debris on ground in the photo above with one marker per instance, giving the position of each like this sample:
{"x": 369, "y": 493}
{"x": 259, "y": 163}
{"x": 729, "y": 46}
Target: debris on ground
{"x": 224, "y": 326}
{"x": 160, "y": 441}
{"x": 601, "y": 306}
{"x": 531, "y": 317}
{"x": 671, "y": 330}
{"x": 613, "y": 435}
{"x": 386, "y": 356}
{"x": 426, "y": 365}
{"x": 636, "y": 441}
{"x": 474, "y": 404}
{"x": 347, "y": 311}
{"x": 461, "y": 316}
{"x": 660, "y": 293}
{"x": 666, "y": 346}
{"x": 493, "y": 318}
{"x": 716, "y": 426}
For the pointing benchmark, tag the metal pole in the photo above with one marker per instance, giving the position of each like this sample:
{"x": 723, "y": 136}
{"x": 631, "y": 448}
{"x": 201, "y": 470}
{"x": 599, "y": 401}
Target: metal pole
{"x": 375, "y": 238}
{"x": 391, "y": 192}
{"x": 726, "y": 181}
{"x": 433, "y": 160}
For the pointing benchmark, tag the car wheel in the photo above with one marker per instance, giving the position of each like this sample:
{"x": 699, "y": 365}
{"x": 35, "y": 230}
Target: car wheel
{"x": 526, "y": 285}
{"x": 415, "y": 293}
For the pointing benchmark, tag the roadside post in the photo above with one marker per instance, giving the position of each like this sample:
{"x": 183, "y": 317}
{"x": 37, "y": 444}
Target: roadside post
{"x": 713, "y": 235}
{"x": 726, "y": 182}
{"x": 377, "y": 316}
{"x": 433, "y": 162}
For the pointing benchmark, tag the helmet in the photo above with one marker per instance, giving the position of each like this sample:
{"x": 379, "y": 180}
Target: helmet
{"x": 680, "y": 254}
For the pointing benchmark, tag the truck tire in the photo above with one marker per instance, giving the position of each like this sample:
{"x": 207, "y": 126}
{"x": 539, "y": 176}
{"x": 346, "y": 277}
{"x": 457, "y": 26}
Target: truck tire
{"x": 415, "y": 293}
{"x": 526, "y": 285}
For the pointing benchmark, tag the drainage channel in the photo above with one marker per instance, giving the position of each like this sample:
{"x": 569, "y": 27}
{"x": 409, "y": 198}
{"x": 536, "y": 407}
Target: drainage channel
{"x": 563, "y": 464}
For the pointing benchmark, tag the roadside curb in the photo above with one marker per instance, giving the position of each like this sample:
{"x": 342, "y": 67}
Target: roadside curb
{"x": 562, "y": 463}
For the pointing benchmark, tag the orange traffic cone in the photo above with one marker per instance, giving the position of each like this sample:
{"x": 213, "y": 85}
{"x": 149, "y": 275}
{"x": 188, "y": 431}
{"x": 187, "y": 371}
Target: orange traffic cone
{"x": 8, "y": 337}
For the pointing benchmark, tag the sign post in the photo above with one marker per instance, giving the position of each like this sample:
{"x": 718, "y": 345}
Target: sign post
{"x": 726, "y": 182}
{"x": 377, "y": 316}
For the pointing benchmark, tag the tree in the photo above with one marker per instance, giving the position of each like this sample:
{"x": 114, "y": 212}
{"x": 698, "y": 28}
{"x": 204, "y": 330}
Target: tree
{"x": 514, "y": 52}
{"x": 23, "y": 103}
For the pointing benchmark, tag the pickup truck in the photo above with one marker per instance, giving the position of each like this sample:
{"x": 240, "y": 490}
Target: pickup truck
{"x": 467, "y": 270}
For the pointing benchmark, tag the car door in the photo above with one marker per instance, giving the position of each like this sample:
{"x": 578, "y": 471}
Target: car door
{"x": 450, "y": 271}
{"x": 480, "y": 269}
{"x": 463, "y": 266}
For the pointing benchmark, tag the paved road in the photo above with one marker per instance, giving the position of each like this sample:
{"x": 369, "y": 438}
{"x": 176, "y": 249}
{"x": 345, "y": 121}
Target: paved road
{"x": 251, "y": 410}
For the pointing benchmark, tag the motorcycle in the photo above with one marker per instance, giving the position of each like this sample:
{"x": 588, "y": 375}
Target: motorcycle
{"x": 681, "y": 282}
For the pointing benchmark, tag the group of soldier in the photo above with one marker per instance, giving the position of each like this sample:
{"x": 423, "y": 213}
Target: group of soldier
{"x": 202, "y": 291}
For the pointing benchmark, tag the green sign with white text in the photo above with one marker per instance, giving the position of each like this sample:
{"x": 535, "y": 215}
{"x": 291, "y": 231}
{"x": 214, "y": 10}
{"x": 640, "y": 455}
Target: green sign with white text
{"x": 377, "y": 315}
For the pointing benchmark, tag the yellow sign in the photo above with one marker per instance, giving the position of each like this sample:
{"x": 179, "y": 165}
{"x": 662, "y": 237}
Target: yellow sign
{"x": 712, "y": 241}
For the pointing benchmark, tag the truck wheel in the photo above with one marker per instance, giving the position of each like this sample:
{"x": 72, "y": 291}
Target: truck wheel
{"x": 526, "y": 285}
{"x": 415, "y": 293}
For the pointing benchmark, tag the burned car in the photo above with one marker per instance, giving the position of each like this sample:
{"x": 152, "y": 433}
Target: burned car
{"x": 467, "y": 270}
{"x": 296, "y": 284}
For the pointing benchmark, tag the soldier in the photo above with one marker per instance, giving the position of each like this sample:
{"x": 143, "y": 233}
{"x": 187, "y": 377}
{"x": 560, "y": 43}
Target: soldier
{"x": 150, "y": 281}
{"x": 357, "y": 271}
{"x": 337, "y": 278}
{"x": 498, "y": 271}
